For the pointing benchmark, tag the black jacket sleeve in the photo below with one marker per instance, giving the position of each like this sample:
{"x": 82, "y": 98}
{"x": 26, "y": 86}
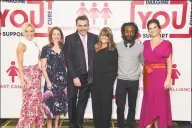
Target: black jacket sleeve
{"x": 68, "y": 57}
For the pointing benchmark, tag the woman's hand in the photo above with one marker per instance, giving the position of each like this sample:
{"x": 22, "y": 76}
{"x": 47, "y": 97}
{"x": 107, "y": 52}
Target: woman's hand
{"x": 167, "y": 84}
{"x": 49, "y": 85}
{"x": 22, "y": 84}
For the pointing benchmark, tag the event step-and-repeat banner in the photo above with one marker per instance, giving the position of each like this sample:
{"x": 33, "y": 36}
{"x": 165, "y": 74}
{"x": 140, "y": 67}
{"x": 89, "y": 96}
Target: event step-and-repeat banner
{"x": 174, "y": 15}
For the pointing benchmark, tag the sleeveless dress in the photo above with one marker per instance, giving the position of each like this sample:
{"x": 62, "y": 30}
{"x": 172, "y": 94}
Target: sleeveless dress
{"x": 156, "y": 100}
{"x": 32, "y": 107}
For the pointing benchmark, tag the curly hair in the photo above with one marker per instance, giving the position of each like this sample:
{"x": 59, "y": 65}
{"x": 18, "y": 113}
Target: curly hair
{"x": 129, "y": 24}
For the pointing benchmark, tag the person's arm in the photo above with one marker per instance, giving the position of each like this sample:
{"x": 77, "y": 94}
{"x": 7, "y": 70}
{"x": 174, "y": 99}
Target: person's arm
{"x": 141, "y": 58}
{"x": 20, "y": 52}
{"x": 44, "y": 67}
{"x": 39, "y": 55}
{"x": 44, "y": 56}
{"x": 169, "y": 68}
{"x": 68, "y": 57}
{"x": 116, "y": 61}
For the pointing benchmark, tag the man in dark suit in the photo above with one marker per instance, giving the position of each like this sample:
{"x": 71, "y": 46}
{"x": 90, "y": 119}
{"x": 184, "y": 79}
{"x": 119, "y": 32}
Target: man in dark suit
{"x": 79, "y": 51}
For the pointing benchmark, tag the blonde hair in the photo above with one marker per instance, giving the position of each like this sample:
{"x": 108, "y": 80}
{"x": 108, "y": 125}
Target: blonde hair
{"x": 106, "y": 31}
{"x": 24, "y": 27}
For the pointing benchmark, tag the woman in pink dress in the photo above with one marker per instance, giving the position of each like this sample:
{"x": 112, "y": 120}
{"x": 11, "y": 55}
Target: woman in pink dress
{"x": 156, "y": 107}
{"x": 30, "y": 76}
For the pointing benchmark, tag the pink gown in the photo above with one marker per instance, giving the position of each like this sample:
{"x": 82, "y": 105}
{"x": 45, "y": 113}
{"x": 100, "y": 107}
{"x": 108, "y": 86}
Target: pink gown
{"x": 156, "y": 100}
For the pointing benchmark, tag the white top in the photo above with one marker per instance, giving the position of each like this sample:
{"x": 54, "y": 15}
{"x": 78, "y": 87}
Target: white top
{"x": 31, "y": 55}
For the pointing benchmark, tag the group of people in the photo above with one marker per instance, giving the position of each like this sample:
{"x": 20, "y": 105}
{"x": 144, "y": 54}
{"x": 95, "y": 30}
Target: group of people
{"x": 86, "y": 63}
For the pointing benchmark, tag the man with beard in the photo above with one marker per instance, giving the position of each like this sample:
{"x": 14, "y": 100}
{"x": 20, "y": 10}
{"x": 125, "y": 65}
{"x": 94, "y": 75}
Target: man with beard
{"x": 130, "y": 56}
{"x": 79, "y": 50}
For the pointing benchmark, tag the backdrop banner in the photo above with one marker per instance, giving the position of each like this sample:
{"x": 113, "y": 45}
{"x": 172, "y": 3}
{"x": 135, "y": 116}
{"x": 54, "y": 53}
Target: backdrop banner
{"x": 175, "y": 17}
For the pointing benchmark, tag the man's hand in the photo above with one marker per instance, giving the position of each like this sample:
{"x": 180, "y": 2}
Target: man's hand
{"x": 77, "y": 82}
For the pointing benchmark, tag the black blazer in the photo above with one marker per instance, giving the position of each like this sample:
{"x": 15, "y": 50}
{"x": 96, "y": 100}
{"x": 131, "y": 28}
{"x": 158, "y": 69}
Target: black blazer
{"x": 75, "y": 57}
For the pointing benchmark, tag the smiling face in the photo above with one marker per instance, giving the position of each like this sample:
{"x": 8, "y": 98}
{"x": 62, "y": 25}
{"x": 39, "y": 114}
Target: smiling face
{"x": 104, "y": 39}
{"x": 56, "y": 36}
{"x": 129, "y": 33}
{"x": 154, "y": 30}
{"x": 82, "y": 27}
{"x": 105, "y": 36}
{"x": 29, "y": 33}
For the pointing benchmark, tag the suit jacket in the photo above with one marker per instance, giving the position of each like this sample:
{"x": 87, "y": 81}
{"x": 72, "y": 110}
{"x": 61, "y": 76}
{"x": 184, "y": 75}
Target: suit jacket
{"x": 75, "y": 56}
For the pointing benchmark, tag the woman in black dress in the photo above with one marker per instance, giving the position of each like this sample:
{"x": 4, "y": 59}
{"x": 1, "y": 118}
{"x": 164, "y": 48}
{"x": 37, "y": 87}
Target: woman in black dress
{"x": 55, "y": 73}
{"x": 105, "y": 67}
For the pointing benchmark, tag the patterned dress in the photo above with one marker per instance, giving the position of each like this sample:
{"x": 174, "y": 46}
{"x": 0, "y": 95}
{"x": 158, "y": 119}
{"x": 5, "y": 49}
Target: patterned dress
{"x": 32, "y": 107}
{"x": 55, "y": 100}
{"x": 156, "y": 100}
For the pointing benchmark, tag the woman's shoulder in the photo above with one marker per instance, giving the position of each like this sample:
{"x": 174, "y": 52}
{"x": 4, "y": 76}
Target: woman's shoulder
{"x": 23, "y": 42}
{"x": 167, "y": 41}
{"x": 21, "y": 46}
{"x": 146, "y": 41}
{"x": 113, "y": 51}
{"x": 46, "y": 47}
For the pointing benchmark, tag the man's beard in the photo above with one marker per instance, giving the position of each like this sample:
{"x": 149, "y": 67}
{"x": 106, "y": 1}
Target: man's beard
{"x": 129, "y": 40}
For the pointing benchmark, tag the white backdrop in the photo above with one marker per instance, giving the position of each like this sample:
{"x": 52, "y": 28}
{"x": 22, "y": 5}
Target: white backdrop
{"x": 175, "y": 16}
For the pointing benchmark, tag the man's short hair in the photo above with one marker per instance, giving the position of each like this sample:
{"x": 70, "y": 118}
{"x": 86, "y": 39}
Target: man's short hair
{"x": 82, "y": 17}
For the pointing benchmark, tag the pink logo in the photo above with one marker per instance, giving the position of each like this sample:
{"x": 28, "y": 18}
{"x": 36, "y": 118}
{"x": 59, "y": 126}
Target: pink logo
{"x": 174, "y": 74}
{"x": 82, "y": 10}
{"x": 106, "y": 13}
{"x": 94, "y": 12}
{"x": 171, "y": 18}
{"x": 32, "y": 17}
{"x": 13, "y": 71}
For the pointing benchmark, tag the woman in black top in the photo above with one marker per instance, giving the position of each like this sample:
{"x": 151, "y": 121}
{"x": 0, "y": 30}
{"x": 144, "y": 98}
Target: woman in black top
{"x": 105, "y": 67}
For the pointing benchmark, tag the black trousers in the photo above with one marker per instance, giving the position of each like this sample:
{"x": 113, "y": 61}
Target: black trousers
{"x": 76, "y": 107}
{"x": 124, "y": 87}
{"x": 101, "y": 95}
